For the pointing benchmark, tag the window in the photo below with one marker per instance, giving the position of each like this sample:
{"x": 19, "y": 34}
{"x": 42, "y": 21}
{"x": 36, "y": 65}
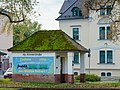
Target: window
{"x": 109, "y": 9}
{"x": 76, "y": 12}
{"x": 106, "y": 56}
{"x": 108, "y": 32}
{"x": 106, "y": 11}
{"x": 75, "y": 73}
{"x": 108, "y": 73}
{"x": 76, "y": 33}
{"x": 104, "y": 33}
{"x": 76, "y": 57}
{"x": 103, "y": 74}
{"x": 102, "y": 12}
{"x": 109, "y": 56}
{"x": 102, "y": 56}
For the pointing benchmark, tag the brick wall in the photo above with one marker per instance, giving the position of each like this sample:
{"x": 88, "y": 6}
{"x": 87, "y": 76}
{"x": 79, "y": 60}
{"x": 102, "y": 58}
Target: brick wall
{"x": 33, "y": 78}
{"x": 42, "y": 78}
{"x": 68, "y": 78}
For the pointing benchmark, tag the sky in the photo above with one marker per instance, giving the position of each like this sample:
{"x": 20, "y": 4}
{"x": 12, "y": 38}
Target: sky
{"x": 49, "y": 11}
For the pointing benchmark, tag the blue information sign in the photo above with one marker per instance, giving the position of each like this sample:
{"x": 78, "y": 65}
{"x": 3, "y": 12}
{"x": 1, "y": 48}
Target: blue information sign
{"x": 33, "y": 65}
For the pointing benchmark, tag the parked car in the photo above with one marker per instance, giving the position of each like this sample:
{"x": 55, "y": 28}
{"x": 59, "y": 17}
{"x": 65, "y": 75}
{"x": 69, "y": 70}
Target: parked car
{"x": 8, "y": 73}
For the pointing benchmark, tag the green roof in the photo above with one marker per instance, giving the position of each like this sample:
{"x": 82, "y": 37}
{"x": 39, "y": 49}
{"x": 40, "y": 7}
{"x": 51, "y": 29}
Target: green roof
{"x": 52, "y": 40}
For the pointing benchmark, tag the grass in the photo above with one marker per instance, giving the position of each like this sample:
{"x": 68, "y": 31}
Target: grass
{"x": 8, "y": 89}
{"x": 10, "y": 84}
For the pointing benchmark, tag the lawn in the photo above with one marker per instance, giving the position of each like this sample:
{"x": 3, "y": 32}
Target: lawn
{"x": 7, "y": 83}
{"x": 8, "y": 89}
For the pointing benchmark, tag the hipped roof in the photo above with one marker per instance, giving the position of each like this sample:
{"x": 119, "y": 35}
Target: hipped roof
{"x": 52, "y": 40}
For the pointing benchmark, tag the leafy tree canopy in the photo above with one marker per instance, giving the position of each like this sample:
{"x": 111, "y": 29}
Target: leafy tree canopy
{"x": 24, "y": 29}
{"x": 17, "y": 10}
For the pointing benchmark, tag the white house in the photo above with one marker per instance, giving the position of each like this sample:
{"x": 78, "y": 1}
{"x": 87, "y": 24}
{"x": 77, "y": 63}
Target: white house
{"x": 91, "y": 29}
{"x": 6, "y": 41}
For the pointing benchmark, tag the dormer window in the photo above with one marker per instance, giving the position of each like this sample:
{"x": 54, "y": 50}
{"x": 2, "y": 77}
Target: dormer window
{"x": 76, "y": 12}
{"x": 106, "y": 11}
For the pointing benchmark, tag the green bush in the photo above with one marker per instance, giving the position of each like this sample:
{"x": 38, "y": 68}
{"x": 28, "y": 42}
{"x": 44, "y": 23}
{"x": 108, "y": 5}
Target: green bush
{"x": 91, "y": 77}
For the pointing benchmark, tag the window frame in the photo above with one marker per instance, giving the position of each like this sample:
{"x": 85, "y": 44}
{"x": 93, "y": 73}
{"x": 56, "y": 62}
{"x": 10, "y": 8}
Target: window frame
{"x": 103, "y": 72}
{"x": 78, "y": 33}
{"x": 102, "y": 11}
{"x": 78, "y": 59}
{"x": 106, "y": 10}
{"x": 76, "y": 72}
{"x": 106, "y": 61}
{"x": 106, "y": 72}
{"x": 106, "y": 32}
{"x": 104, "y": 56}
{"x": 76, "y": 12}
{"x": 101, "y": 30}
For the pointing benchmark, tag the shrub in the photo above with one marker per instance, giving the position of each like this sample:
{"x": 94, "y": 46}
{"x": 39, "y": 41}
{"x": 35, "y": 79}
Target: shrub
{"x": 91, "y": 77}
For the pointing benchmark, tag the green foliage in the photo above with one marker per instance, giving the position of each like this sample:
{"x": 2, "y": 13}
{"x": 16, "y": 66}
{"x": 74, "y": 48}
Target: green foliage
{"x": 17, "y": 10}
{"x": 8, "y": 89}
{"x": 91, "y": 77}
{"x": 24, "y": 29}
{"x": 46, "y": 40}
{"x": 92, "y": 85}
{"x": 118, "y": 1}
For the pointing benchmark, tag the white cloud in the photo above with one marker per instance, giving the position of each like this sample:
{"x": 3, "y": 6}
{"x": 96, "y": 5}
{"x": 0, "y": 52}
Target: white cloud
{"x": 49, "y": 11}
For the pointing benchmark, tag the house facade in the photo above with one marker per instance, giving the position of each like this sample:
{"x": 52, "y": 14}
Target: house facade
{"x": 6, "y": 41}
{"x": 91, "y": 29}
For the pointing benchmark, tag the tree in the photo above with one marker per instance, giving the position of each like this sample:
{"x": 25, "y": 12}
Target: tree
{"x": 17, "y": 10}
{"x": 24, "y": 29}
{"x": 114, "y": 6}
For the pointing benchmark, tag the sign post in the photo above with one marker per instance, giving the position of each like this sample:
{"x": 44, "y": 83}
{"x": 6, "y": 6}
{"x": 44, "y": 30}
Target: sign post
{"x": 89, "y": 51}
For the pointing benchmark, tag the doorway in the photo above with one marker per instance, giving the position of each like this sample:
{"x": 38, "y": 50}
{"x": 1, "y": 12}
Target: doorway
{"x": 62, "y": 70}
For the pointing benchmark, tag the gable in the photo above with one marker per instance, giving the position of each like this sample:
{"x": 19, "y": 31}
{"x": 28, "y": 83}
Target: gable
{"x": 66, "y": 5}
{"x": 68, "y": 13}
{"x": 105, "y": 20}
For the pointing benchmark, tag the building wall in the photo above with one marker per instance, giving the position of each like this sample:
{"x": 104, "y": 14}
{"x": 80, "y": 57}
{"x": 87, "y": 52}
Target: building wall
{"x": 95, "y": 44}
{"x": 33, "y": 77}
{"x": 6, "y": 37}
{"x": 67, "y": 70}
{"x": 82, "y": 24}
{"x": 89, "y": 37}
{"x": 6, "y": 41}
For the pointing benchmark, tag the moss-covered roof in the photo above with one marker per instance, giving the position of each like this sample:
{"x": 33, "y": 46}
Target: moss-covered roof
{"x": 52, "y": 40}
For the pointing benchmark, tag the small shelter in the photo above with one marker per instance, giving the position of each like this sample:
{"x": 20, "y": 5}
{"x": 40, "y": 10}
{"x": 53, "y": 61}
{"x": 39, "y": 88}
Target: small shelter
{"x": 46, "y": 56}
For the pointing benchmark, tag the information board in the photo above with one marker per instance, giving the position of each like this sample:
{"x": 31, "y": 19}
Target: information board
{"x": 33, "y": 65}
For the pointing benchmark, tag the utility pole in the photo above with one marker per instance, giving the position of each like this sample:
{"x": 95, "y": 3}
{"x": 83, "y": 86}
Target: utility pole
{"x": 89, "y": 51}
